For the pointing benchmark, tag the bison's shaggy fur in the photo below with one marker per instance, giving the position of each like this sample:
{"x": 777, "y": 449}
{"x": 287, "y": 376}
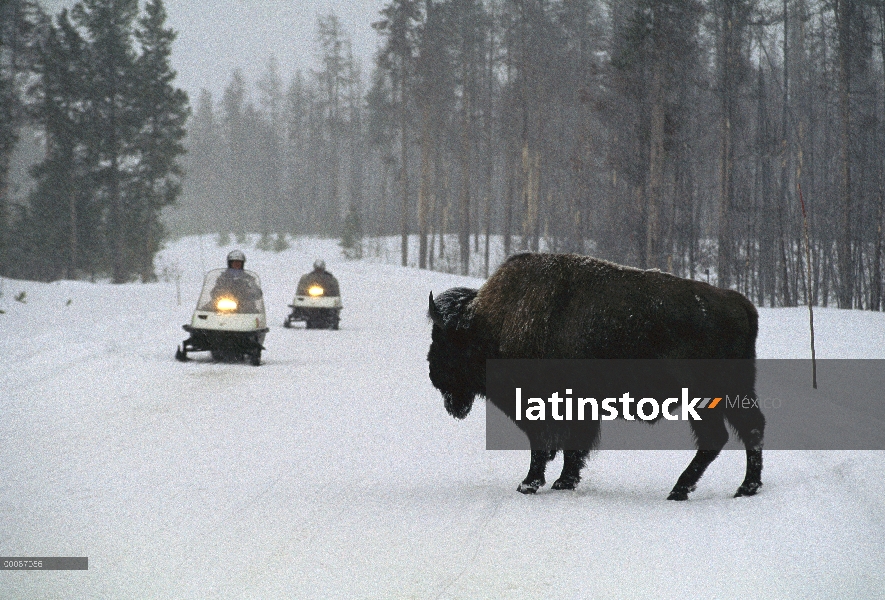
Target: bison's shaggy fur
{"x": 568, "y": 306}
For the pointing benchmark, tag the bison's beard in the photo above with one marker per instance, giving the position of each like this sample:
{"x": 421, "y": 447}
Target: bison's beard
{"x": 458, "y": 406}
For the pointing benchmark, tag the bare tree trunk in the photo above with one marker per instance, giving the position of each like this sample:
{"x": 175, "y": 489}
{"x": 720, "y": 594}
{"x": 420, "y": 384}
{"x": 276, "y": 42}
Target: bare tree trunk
{"x": 760, "y": 189}
{"x": 488, "y": 219}
{"x": 490, "y": 165}
{"x": 876, "y": 283}
{"x": 442, "y": 232}
{"x": 464, "y": 196}
{"x": 404, "y": 175}
{"x": 433, "y": 211}
{"x": 654, "y": 190}
{"x": 425, "y": 188}
{"x": 846, "y": 260}
{"x": 730, "y": 61}
{"x": 726, "y": 147}
{"x": 118, "y": 234}
{"x": 530, "y": 164}
{"x": 511, "y": 170}
{"x": 876, "y": 300}
{"x": 476, "y": 227}
{"x": 785, "y": 275}
{"x": 385, "y": 175}
{"x": 72, "y": 238}
{"x": 783, "y": 198}
{"x": 692, "y": 227}
{"x": 334, "y": 209}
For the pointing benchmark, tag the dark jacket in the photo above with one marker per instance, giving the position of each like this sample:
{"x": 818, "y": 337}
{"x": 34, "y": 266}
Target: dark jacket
{"x": 319, "y": 277}
{"x": 239, "y": 284}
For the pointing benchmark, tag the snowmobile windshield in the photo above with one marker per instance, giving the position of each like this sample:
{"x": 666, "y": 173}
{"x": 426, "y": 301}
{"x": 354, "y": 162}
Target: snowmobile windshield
{"x": 231, "y": 291}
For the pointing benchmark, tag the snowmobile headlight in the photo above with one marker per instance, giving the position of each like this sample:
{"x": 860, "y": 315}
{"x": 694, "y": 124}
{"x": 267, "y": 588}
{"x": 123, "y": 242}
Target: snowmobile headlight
{"x": 315, "y": 291}
{"x": 226, "y": 304}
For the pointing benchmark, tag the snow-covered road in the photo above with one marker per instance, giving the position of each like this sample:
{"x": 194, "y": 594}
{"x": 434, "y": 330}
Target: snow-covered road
{"x": 333, "y": 470}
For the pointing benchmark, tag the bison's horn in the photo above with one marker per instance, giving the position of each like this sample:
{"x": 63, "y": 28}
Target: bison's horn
{"x": 433, "y": 313}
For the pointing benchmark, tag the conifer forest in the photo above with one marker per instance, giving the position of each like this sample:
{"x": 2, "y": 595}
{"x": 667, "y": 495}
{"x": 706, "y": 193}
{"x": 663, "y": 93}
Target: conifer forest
{"x": 740, "y": 142}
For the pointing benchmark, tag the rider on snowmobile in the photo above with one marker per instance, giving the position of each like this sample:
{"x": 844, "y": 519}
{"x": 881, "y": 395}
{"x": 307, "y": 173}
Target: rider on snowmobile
{"x": 237, "y": 282}
{"x": 319, "y": 277}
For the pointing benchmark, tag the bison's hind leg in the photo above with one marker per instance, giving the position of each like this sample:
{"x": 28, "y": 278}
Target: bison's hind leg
{"x": 573, "y": 462}
{"x": 687, "y": 482}
{"x": 710, "y": 436}
{"x": 535, "y": 478}
{"x": 749, "y": 423}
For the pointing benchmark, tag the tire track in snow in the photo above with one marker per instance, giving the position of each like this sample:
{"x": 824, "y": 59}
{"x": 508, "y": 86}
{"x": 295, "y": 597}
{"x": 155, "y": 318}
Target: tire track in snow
{"x": 478, "y": 532}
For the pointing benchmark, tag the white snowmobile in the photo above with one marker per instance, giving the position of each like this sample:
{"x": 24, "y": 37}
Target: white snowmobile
{"x": 229, "y": 320}
{"x": 317, "y": 300}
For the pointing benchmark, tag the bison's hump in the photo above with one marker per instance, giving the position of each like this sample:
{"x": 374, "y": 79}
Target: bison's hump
{"x": 571, "y": 306}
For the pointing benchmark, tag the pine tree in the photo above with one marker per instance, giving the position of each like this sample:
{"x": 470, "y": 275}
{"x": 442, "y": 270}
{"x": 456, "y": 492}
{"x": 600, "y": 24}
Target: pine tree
{"x": 732, "y": 17}
{"x": 654, "y": 55}
{"x": 334, "y": 83}
{"x": 396, "y": 59}
{"x": 21, "y": 31}
{"x": 8, "y": 129}
{"x": 271, "y": 102}
{"x": 113, "y": 114}
{"x": 163, "y": 112}
{"x": 61, "y": 212}
{"x": 381, "y": 137}
{"x": 352, "y": 235}
{"x": 469, "y": 22}
{"x": 8, "y": 139}
{"x": 296, "y": 153}
{"x": 204, "y": 170}
{"x": 113, "y": 125}
{"x": 235, "y": 154}
{"x": 355, "y": 139}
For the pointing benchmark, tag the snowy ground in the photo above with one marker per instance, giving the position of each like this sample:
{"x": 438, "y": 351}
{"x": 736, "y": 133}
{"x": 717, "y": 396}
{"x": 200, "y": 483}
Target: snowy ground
{"x": 333, "y": 470}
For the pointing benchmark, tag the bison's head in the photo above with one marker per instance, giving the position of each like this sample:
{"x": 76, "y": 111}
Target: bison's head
{"x": 457, "y": 363}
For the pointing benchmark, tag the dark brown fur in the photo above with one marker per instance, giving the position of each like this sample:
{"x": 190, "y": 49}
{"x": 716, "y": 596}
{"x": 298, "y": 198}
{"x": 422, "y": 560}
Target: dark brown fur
{"x": 568, "y": 306}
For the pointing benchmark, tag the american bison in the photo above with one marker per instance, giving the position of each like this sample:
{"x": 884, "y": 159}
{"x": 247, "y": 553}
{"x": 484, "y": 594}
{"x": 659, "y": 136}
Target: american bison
{"x": 560, "y": 306}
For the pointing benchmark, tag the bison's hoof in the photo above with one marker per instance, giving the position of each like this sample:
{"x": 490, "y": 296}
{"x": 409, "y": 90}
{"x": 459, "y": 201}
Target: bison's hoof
{"x": 529, "y": 487}
{"x": 564, "y": 483}
{"x": 748, "y": 489}
{"x": 680, "y": 493}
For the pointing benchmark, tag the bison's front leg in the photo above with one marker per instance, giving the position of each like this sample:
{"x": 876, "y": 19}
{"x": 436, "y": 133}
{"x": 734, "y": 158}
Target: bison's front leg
{"x": 573, "y": 462}
{"x": 535, "y": 478}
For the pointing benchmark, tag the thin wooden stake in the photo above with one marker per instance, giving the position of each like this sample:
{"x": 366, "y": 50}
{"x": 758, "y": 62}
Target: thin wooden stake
{"x": 808, "y": 288}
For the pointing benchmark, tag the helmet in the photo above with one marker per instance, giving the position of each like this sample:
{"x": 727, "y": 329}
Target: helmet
{"x": 236, "y": 255}
{"x": 319, "y": 264}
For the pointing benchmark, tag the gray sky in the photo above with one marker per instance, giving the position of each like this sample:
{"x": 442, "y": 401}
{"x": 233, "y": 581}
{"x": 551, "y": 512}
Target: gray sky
{"x": 217, "y": 36}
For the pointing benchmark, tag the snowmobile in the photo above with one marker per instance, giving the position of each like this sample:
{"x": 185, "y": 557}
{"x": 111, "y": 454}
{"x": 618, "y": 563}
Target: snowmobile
{"x": 317, "y": 300}
{"x": 229, "y": 320}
